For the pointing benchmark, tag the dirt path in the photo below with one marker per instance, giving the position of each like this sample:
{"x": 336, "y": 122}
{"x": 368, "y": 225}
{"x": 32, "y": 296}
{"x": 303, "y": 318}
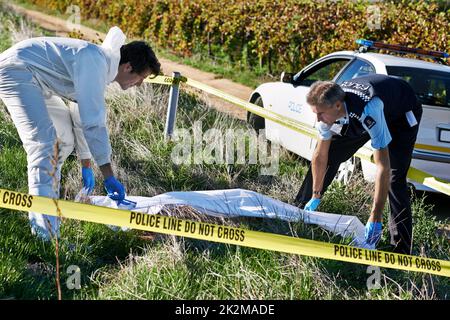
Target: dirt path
{"x": 62, "y": 28}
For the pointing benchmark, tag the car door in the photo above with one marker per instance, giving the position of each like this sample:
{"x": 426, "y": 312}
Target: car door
{"x": 294, "y": 104}
{"x": 432, "y": 87}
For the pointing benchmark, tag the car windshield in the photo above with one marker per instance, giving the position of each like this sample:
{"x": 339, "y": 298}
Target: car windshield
{"x": 432, "y": 87}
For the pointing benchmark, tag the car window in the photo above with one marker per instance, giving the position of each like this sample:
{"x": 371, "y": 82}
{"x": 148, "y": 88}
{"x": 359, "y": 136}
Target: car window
{"x": 357, "y": 68}
{"x": 432, "y": 87}
{"x": 326, "y": 70}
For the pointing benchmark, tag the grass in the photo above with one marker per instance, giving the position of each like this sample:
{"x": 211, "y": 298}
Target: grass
{"x": 127, "y": 265}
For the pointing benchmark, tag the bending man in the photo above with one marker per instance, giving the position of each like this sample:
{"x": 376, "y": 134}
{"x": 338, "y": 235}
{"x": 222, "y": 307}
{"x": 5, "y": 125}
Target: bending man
{"x": 379, "y": 108}
{"x": 79, "y": 71}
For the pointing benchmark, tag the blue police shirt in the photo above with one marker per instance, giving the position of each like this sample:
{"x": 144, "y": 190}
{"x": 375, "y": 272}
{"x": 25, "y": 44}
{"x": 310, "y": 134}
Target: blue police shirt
{"x": 372, "y": 120}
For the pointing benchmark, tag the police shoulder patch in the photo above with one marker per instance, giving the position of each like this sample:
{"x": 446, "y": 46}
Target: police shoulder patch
{"x": 369, "y": 122}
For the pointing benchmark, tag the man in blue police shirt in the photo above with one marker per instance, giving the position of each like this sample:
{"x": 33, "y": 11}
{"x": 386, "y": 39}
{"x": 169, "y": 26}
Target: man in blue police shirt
{"x": 379, "y": 108}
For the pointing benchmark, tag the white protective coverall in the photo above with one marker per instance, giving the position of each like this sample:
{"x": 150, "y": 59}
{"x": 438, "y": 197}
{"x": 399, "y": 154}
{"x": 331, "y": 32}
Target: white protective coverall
{"x": 37, "y": 69}
{"x": 68, "y": 126}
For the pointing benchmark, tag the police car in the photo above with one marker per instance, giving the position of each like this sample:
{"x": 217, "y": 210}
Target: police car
{"x": 430, "y": 81}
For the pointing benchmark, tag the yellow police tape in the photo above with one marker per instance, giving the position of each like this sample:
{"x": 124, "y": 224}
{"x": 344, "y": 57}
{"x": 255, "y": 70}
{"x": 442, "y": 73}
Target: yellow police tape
{"x": 220, "y": 233}
{"x": 363, "y": 153}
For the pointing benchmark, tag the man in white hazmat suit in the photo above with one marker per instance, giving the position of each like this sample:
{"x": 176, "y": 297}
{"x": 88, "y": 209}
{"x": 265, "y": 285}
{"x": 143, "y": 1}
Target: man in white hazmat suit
{"x": 38, "y": 68}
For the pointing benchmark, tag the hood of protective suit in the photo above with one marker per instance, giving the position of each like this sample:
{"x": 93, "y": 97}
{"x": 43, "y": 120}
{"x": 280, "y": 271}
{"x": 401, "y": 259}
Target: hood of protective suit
{"x": 111, "y": 46}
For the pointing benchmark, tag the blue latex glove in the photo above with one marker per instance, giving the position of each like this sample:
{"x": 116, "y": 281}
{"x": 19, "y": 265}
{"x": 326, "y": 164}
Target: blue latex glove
{"x": 373, "y": 232}
{"x": 115, "y": 189}
{"x": 88, "y": 179}
{"x": 312, "y": 204}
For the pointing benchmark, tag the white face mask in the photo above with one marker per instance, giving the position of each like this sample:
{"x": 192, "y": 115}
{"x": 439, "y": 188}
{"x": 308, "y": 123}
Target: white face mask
{"x": 111, "y": 46}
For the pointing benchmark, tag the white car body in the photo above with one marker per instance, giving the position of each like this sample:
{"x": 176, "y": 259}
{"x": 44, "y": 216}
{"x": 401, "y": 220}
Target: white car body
{"x": 290, "y": 101}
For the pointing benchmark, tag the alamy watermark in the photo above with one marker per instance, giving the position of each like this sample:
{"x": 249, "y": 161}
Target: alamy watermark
{"x": 373, "y": 17}
{"x": 228, "y": 146}
{"x": 74, "y": 20}
{"x": 74, "y": 279}
{"x": 374, "y": 280}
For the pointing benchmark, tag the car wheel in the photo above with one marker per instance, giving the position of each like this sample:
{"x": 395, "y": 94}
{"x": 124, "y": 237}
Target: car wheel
{"x": 347, "y": 170}
{"x": 257, "y": 122}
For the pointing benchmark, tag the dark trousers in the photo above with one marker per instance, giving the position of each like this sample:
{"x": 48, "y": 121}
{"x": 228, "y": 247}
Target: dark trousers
{"x": 400, "y": 153}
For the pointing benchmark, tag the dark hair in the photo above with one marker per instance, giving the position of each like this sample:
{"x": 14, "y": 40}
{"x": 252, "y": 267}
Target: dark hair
{"x": 324, "y": 93}
{"x": 141, "y": 57}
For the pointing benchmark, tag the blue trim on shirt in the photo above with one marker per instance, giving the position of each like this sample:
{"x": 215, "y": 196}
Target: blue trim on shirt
{"x": 374, "y": 122}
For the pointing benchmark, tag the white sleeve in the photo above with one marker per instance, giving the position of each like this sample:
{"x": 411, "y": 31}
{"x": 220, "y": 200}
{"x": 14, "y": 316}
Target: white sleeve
{"x": 80, "y": 142}
{"x": 324, "y": 131}
{"x": 90, "y": 71}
